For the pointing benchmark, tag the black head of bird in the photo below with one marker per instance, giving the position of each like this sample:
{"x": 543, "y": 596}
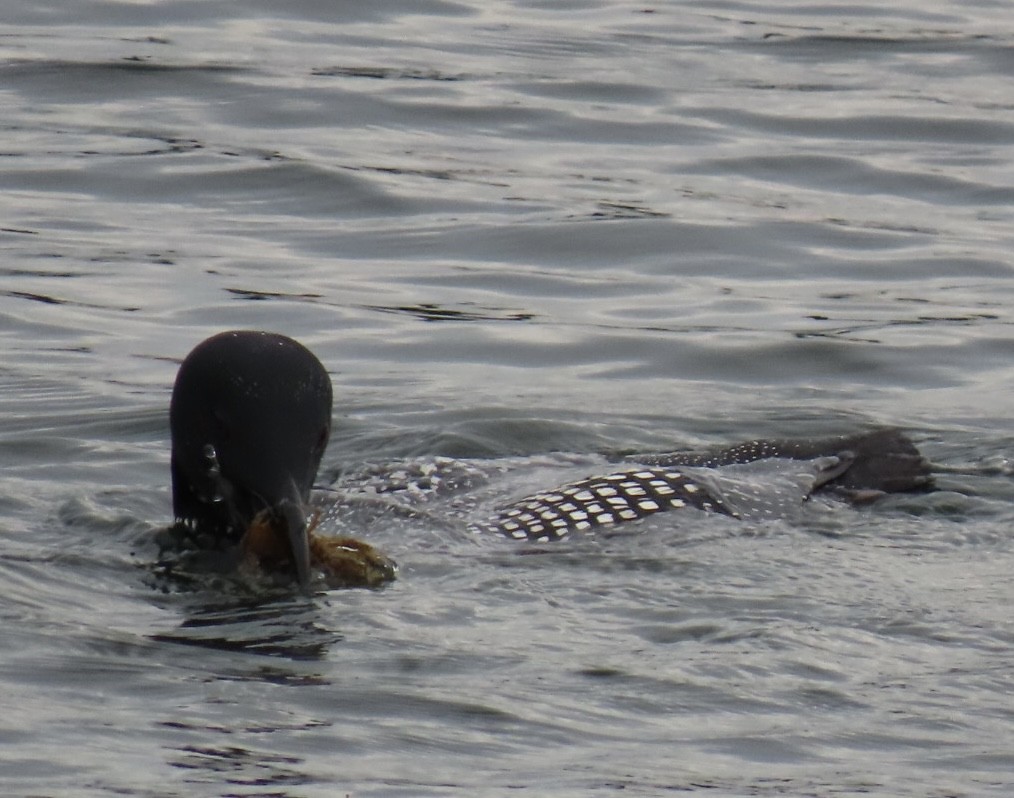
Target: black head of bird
{"x": 250, "y": 417}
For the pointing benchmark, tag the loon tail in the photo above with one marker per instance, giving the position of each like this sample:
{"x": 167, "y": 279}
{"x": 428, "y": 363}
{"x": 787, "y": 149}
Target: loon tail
{"x": 886, "y": 461}
{"x": 881, "y": 461}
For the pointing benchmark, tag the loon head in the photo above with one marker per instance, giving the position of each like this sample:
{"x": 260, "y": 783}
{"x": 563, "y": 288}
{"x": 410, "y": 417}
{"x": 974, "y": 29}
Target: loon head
{"x": 250, "y": 417}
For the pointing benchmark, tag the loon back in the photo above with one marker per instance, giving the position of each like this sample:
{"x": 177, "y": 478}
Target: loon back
{"x": 858, "y": 467}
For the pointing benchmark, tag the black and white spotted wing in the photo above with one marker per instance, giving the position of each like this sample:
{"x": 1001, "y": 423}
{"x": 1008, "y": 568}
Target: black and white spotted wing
{"x": 602, "y": 501}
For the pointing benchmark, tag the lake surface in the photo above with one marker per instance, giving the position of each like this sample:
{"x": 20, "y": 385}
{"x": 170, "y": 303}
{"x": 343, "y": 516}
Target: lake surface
{"x": 526, "y": 233}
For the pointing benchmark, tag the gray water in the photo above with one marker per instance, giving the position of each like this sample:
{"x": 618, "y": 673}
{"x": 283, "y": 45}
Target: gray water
{"x": 512, "y": 231}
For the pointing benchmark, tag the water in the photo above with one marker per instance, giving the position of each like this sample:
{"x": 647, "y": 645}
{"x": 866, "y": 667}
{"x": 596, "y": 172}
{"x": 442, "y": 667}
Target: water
{"x": 513, "y": 229}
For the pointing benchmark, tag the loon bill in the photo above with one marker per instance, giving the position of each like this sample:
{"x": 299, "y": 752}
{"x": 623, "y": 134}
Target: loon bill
{"x": 250, "y": 417}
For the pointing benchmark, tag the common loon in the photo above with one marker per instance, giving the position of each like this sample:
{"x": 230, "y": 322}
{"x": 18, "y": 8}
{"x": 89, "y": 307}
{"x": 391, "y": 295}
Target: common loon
{"x": 250, "y": 417}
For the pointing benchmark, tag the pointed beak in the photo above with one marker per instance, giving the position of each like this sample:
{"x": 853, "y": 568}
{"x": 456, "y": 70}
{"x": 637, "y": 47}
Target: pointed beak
{"x": 276, "y": 507}
{"x": 293, "y": 520}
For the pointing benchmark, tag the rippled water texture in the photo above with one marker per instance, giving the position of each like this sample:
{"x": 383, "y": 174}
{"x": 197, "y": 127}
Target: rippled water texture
{"x": 512, "y": 230}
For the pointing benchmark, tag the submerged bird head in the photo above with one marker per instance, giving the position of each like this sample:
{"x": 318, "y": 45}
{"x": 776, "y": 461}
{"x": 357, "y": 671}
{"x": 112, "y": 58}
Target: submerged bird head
{"x": 250, "y": 417}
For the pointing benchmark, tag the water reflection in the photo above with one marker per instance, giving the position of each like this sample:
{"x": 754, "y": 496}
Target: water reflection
{"x": 239, "y": 766}
{"x": 431, "y": 312}
{"x": 287, "y": 628}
